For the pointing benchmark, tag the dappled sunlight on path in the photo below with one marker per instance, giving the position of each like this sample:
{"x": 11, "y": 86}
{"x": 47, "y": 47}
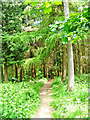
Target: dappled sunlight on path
{"x": 45, "y": 110}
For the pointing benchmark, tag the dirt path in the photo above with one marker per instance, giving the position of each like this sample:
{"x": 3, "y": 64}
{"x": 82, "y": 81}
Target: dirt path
{"x": 45, "y": 110}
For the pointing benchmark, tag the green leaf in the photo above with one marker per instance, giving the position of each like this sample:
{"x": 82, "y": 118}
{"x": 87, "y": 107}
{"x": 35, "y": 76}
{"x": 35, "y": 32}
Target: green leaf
{"x": 47, "y": 10}
{"x": 65, "y": 39}
{"x": 34, "y": 3}
{"x": 74, "y": 41}
{"x": 77, "y": 37}
{"x": 58, "y": 3}
{"x": 27, "y": 1}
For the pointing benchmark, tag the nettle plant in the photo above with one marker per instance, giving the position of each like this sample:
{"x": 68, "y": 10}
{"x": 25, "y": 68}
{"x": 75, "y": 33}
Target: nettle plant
{"x": 75, "y": 27}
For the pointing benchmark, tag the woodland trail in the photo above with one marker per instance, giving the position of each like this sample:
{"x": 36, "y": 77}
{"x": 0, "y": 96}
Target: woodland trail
{"x": 45, "y": 110}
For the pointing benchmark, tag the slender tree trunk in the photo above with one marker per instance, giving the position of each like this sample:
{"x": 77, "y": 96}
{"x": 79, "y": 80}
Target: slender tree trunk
{"x": 33, "y": 72}
{"x": 21, "y": 71}
{"x": 75, "y": 58}
{"x": 80, "y": 59}
{"x": 70, "y": 66}
{"x": 1, "y": 73}
{"x": 64, "y": 63}
{"x": 6, "y": 73}
{"x": 12, "y": 71}
{"x": 44, "y": 70}
{"x": 60, "y": 69}
{"x": 47, "y": 72}
{"x": 51, "y": 74}
{"x": 61, "y": 62}
{"x": 16, "y": 72}
{"x": 55, "y": 62}
{"x": 29, "y": 70}
{"x": 58, "y": 60}
{"x": 70, "y": 52}
{"x": 84, "y": 53}
{"x": 66, "y": 14}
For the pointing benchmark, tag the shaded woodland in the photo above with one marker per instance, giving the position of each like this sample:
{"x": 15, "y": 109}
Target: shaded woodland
{"x": 44, "y": 41}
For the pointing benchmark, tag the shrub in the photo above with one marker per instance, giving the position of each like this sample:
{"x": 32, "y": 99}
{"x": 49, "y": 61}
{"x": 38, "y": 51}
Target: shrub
{"x": 20, "y": 100}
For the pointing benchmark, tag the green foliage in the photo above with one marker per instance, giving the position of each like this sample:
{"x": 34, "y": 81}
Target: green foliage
{"x": 20, "y": 100}
{"x": 75, "y": 27}
{"x": 14, "y": 47}
{"x": 11, "y": 13}
{"x": 73, "y": 104}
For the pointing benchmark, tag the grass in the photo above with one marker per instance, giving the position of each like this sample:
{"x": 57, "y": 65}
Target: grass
{"x": 20, "y": 100}
{"x": 73, "y": 104}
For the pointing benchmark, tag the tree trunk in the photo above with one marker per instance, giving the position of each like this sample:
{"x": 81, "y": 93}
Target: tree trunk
{"x": 44, "y": 72}
{"x": 12, "y": 71}
{"x": 29, "y": 70}
{"x": 66, "y": 9}
{"x": 42, "y": 69}
{"x": 21, "y": 74}
{"x": 6, "y": 73}
{"x": 55, "y": 63}
{"x": 64, "y": 63}
{"x": 60, "y": 61}
{"x": 70, "y": 66}
{"x": 33, "y": 72}
{"x": 16, "y": 72}
{"x": 47, "y": 72}
{"x": 70, "y": 52}
{"x": 80, "y": 58}
{"x": 1, "y": 73}
{"x": 75, "y": 58}
{"x": 66, "y": 14}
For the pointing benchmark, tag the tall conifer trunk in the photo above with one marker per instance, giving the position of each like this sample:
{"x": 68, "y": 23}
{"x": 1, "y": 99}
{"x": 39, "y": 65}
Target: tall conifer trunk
{"x": 1, "y": 72}
{"x": 16, "y": 71}
{"x": 44, "y": 71}
{"x": 21, "y": 71}
{"x": 64, "y": 63}
{"x": 6, "y": 72}
{"x": 12, "y": 70}
{"x": 75, "y": 58}
{"x": 80, "y": 59}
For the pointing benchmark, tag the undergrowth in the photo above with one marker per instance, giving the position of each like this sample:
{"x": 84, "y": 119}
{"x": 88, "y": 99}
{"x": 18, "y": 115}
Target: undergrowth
{"x": 20, "y": 100}
{"x": 73, "y": 104}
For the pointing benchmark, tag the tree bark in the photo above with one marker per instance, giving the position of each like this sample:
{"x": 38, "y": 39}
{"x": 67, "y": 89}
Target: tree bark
{"x": 75, "y": 58}
{"x": 1, "y": 73}
{"x": 12, "y": 71}
{"x": 21, "y": 74}
{"x": 33, "y": 72}
{"x": 66, "y": 9}
{"x": 42, "y": 69}
{"x": 70, "y": 52}
{"x": 44, "y": 72}
{"x": 64, "y": 63}
{"x": 29, "y": 70}
{"x": 80, "y": 58}
{"x": 16, "y": 72}
{"x": 47, "y": 72}
{"x": 70, "y": 66}
{"x": 66, "y": 14}
{"x": 6, "y": 73}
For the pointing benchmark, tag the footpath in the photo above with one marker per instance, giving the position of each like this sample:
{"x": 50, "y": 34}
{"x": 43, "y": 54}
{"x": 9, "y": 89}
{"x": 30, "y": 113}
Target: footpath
{"x": 45, "y": 95}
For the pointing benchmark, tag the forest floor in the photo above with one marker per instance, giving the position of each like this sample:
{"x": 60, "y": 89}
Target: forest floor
{"x": 45, "y": 95}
